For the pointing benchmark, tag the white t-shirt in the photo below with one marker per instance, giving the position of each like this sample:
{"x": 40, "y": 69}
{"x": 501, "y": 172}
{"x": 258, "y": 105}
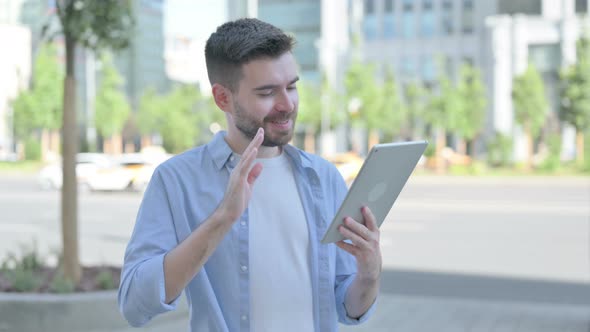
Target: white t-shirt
{"x": 280, "y": 278}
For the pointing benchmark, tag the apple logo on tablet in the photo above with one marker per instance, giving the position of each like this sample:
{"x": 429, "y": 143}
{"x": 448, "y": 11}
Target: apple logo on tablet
{"x": 377, "y": 191}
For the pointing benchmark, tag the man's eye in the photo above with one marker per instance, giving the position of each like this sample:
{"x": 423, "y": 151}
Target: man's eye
{"x": 292, "y": 87}
{"x": 265, "y": 93}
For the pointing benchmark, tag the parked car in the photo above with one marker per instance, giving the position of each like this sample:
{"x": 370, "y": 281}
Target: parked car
{"x": 87, "y": 164}
{"x": 100, "y": 172}
{"x": 348, "y": 164}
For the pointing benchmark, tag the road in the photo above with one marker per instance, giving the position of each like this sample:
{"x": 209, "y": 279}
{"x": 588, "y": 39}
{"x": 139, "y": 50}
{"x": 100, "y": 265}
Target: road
{"x": 492, "y": 243}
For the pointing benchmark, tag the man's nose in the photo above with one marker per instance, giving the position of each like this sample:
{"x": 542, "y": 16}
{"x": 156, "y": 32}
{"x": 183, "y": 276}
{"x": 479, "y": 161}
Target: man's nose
{"x": 285, "y": 102}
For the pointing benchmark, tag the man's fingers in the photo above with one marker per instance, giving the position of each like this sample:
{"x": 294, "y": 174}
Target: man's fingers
{"x": 351, "y": 249}
{"x": 356, "y": 239}
{"x": 254, "y": 173}
{"x": 246, "y": 161}
{"x": 370, "y": 221}
{"x": 256, "y": 141}
{"x": 358, "y": 229}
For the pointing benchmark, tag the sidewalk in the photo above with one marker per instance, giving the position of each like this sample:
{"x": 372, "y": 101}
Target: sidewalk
{"x": 427, "y": 301}
{"x": 434, "y": 314}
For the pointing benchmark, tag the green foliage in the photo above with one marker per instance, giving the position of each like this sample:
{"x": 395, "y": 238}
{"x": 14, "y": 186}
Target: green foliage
{"x": 475, "y": 168}
{"x": 112, "y": 107}
{"x": 32, "y": 149}
{"x": 40, "y": 107}
{"x": 98, "y": 25}
{"x": 23, "y": 280}
{"x": 61, "y": 285}
{"x": 182, "y": 117}
{"x": 585, "y": 167}
{"x": 445, "y": 108}
{"x": 575, "y": 91}
{"x": 553, "y": 160}
{"x": 360, "y": 84}
{"x": 310, "y": 105}
{"x": 415, "y": 105}
{"x": 530, "y": 104}
{"x": 390, "y": 116}
{"x": 150, "y": 114}
{"x": 313, "y": 100}
{"x": 105, "y": 280}
{"x": 467, "y": 120}
{"x": 182, "y": 126}
{"x": 499, "y": 150}
{"x": 21, "y": 271}
{"x": 430, "y": 150}
{"x": 380, "y": 105}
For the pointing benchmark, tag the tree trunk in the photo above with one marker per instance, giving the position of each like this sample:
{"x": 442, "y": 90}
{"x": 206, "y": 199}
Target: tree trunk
{"x": 69, "y": 194}
{"x": 129, "y": 147}
{"x": 441, "y": 142}
{"x": 462, "y": 146}
{"x": 146, "y": 140}
{"x": 54, "y": 141}
{"x": 309, "y": 141}
{"x": 373, "y": 138}
{"x": 580, "y": 147}
{"x": 530, "y": 148}
{"x": 45, "y": 145}
{"x": 117, "y": 144}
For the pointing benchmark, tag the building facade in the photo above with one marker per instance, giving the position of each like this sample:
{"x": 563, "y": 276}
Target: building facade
{"x": 420, "y": 38}
{"x": 15, "y": 73}
{"x": 185, "y": 45}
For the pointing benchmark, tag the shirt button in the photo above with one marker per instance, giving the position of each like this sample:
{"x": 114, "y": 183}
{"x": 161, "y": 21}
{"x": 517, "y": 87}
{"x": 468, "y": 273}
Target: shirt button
{"x": 244, "y": 317}
{"x": 244, "y": 268}
{"x": 243, "y": 223}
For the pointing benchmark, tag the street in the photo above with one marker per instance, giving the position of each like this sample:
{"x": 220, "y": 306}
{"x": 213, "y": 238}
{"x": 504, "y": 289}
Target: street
{"x": 504, "y": 246}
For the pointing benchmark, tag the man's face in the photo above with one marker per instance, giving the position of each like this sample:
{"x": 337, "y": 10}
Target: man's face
{"x": 267, "y": 98}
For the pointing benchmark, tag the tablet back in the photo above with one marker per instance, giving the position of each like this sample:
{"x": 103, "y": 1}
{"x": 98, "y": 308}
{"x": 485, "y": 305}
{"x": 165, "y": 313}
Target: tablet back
{"x": 379, "y": 182}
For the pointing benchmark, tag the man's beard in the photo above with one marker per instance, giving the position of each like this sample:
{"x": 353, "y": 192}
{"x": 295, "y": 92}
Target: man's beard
{"x": 249, "y": 127}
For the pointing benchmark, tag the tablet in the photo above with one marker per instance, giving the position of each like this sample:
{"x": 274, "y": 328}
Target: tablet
{"x": 378, "y": 184}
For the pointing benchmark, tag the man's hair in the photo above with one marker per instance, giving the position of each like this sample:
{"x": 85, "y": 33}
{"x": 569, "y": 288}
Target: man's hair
{"x": 239, "y": 42}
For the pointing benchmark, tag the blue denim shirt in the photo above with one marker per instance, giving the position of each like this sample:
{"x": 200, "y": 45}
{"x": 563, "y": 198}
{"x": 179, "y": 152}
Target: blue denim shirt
{"x": 183, "y": 192}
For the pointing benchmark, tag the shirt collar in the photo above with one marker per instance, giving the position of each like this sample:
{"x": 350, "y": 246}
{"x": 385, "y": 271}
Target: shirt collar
{"x": 221, "y": 152}
{"x": 219, "y": 149}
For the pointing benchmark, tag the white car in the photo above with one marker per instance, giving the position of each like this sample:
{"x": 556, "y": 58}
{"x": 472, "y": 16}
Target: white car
{"x": 87, "y": 164}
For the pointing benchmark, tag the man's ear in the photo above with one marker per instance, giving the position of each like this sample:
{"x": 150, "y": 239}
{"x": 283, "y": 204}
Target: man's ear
{"x": 222, "y": 97}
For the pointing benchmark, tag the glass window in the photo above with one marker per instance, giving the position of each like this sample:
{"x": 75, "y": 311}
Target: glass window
{"x": 545, "y": 57}
{"x": 369, "y": 7}
{"x": 511, "y": 7}
{"x": 408, "y": 25}
{"x": 467, "y": 60}
{"x": 428, "y": 68}
{"x": 449, "y": 66}
{"x": 408, "y": 5}
{"x": 389, "y": 26}
{"x": 408, "y": 66}
{"x": 467, "y": 16}
{"x": 427, "y": 24}
{"x": 426, "y": 4}
{"x": 389, "y": 6}
{"x": 581, "y": 6}
{"x": 447, "y": 18}
{"x": 370, "y": 29}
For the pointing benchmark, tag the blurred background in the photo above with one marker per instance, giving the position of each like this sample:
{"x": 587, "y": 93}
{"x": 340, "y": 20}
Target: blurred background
{"x": 496, "y": 216}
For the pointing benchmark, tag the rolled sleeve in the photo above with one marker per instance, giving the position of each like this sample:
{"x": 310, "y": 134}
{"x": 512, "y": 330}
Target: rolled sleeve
{"x": 142, "y": 293}
{"x": 343, "y": 316}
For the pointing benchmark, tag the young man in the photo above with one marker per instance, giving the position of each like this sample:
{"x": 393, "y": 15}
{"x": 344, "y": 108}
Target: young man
{"x": 236, "y": 223}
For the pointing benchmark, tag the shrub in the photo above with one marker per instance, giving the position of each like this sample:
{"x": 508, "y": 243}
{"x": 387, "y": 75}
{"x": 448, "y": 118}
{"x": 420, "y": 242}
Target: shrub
{"x": 499, "y": 150}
